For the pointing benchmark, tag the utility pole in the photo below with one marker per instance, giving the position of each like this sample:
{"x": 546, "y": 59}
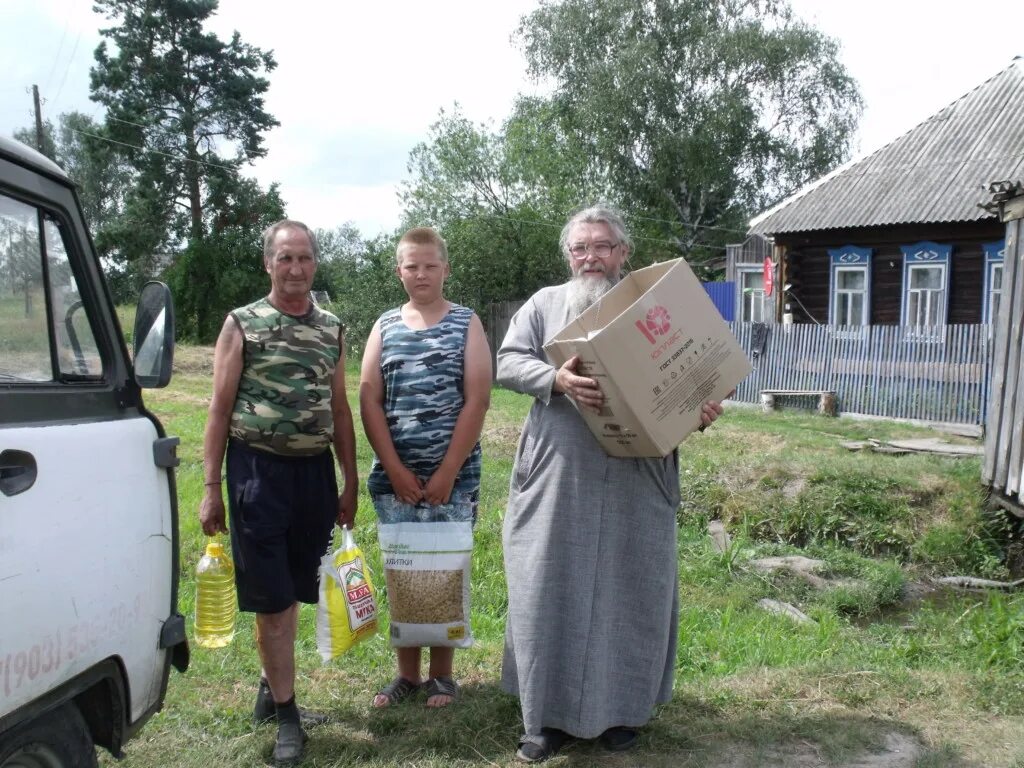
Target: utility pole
{"x": 39, "y": 119}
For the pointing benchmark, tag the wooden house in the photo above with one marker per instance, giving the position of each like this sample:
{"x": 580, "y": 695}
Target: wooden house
{"x": 895, "y": 252}
{"x": 899, "y": 237}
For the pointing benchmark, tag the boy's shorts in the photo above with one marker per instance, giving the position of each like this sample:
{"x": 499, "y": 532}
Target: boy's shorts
{"x": 282, "y": 511}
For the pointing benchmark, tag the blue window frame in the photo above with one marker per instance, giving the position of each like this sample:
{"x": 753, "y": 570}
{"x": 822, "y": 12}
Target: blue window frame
{"x": 849, "y": 286}
{"x": 994, "y": 254}
{"x": 925, "y": 300}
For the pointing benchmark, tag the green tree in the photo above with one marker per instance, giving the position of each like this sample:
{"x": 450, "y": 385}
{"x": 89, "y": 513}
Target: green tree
{"x": 498, "y": 198}
{"x": 360, "y": 277}
{"x": 698, "y": 112}
{"x": 99, "y": 172}
{"x": 28, "y": 137}
{"x": 185, "y": 108}
{"x": 102, "y": 177}
{"x": 20, "y": 266}
{"x": 224, "y": 270}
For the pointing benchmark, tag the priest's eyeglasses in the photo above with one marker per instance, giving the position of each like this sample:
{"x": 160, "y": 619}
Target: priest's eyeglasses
{"x": 600, "y": 249}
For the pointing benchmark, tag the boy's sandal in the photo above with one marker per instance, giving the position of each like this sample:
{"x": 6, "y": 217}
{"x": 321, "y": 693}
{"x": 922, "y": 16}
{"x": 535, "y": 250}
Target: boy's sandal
{"x": 398, "y": 690}
{"x": 537, "y": 749}
{"x": 442, "y": 685}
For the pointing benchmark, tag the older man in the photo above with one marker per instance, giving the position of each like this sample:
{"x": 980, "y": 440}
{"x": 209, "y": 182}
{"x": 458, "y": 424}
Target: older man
{"x": 589, "y": 539}
{"x": 278, "y": 407}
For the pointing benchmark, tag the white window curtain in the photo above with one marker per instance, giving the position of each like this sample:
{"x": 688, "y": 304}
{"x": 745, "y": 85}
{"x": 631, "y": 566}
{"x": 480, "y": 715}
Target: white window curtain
{"x": 752, "y": 298}
{"x": 850, "y": 286}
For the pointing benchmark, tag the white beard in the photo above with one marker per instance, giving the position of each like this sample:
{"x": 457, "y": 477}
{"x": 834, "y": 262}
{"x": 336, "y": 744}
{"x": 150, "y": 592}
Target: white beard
{"x": 584, "y": 291}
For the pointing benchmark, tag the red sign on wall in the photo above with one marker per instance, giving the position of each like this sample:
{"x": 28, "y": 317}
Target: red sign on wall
{"x": 769, "y": 275}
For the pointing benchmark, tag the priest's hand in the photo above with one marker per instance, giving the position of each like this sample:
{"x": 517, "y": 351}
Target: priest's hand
{"x": 710, "y": 411}
{"x": 584, "y": 391}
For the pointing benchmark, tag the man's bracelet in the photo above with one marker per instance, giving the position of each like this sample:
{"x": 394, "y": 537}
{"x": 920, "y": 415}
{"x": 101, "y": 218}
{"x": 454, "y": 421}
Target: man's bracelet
{"x": 213, "y": 482}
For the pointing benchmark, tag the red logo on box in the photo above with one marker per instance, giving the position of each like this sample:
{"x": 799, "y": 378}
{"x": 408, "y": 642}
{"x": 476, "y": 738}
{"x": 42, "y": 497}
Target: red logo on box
{"x": 656, "y": 323}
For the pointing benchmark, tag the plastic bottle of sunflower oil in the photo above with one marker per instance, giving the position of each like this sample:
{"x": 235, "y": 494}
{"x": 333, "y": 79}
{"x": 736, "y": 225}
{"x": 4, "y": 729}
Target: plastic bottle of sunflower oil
{"x": 215, "y": 597}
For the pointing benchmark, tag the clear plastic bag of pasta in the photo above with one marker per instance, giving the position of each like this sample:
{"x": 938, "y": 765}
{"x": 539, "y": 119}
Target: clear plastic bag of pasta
{"x": 346, "y": 612}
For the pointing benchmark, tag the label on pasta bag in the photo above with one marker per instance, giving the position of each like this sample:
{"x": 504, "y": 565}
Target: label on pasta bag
{"x": 358, "y": 598}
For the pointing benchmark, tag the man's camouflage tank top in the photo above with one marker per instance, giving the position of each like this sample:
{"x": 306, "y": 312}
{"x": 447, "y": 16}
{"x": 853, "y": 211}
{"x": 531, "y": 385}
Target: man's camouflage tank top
{"x": 283, "y": 404}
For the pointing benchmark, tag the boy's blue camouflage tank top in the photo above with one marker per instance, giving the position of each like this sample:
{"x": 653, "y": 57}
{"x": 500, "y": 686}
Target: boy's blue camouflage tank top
{"x": 422, "y": 373}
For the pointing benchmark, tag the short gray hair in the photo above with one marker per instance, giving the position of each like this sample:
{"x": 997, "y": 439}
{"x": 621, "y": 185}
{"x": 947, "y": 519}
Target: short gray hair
{"x": 271, "y": 232}
{"x": 596, "y": 214}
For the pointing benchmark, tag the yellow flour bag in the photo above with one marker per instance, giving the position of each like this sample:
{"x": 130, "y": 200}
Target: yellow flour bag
{"x": 346, "y": 612}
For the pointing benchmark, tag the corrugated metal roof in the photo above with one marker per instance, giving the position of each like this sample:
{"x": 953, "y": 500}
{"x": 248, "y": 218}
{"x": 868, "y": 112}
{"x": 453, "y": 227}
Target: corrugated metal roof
{"x": 938, "y": 171}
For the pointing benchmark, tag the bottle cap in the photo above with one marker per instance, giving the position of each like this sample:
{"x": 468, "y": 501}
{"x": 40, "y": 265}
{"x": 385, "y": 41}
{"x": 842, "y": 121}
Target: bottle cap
{"x": 215, "y": 549}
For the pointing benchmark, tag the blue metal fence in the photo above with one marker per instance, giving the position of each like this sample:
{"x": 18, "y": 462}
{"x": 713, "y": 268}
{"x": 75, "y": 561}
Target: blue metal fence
{"x": 723, "y": 296}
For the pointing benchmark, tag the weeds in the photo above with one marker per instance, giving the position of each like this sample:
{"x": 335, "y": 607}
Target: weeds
{"x": 803, "y": 489}
{"x": 994, "y": 631}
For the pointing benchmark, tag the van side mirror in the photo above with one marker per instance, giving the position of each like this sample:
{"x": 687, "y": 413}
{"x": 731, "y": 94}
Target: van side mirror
{"x": 153, "y": 339}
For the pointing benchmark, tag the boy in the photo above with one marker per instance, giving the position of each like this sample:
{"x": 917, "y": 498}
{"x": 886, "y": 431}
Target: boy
{"x": 425, "y": 437}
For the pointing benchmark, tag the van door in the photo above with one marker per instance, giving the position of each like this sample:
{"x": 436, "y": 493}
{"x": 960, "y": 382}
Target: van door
{"x": 86, "y": 515}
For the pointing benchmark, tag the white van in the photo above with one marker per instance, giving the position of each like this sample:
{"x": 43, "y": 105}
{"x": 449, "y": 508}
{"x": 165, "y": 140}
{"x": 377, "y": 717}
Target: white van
{"x": 89, "y": 622}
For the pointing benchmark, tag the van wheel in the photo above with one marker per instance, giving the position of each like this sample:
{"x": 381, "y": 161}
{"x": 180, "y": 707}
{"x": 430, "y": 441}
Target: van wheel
{"x": 56, "y": 739}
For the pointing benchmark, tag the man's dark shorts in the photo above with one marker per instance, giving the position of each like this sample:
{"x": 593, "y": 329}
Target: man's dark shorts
{"x": 282, "y": 512}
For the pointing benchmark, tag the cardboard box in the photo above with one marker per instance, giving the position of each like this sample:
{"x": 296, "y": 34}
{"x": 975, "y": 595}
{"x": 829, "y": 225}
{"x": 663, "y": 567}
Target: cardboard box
{"x": 659, "y": 350}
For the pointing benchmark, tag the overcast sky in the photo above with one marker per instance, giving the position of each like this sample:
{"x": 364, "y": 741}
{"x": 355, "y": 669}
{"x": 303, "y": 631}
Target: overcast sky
{"x": 358, "y": 84}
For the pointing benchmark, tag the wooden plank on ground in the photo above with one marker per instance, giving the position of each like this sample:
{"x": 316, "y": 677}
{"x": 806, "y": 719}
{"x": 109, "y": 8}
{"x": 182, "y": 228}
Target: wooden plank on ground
{"x": 934, "y": 445}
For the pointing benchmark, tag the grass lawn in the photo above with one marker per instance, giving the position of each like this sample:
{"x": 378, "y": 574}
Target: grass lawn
{"x": 873, "y": 680}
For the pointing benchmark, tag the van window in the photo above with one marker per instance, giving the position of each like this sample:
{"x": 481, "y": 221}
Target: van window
{"x": 29, "y": 352}
{"x": 77, "y": 354}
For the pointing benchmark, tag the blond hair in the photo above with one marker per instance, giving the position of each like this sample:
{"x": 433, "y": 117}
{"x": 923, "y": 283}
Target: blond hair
{"x": 422, "y": 236}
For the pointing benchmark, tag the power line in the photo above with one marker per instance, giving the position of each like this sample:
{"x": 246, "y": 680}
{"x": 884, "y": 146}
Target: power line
{"x": 67, "y": 69}
{"x": 661, "y": 221}
{"x": 636, "y": 217}
{"x": 552, "y": 225}
{"x": 127, "y": 122}
{"x": 795, "y": 298}
{"x": 153, "y": 128}
{"x": 156, "y": 151}
{"x": 693, "y": 226}
{"x": 535, "y": 222}
{"x": 56, "y": 56}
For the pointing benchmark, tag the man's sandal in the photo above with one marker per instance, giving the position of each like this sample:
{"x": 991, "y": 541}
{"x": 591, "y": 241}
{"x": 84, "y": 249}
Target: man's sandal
{"x": 396, "y": 691}
{"x": 442, "y": 685}
{"x": 537, "y": 749}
